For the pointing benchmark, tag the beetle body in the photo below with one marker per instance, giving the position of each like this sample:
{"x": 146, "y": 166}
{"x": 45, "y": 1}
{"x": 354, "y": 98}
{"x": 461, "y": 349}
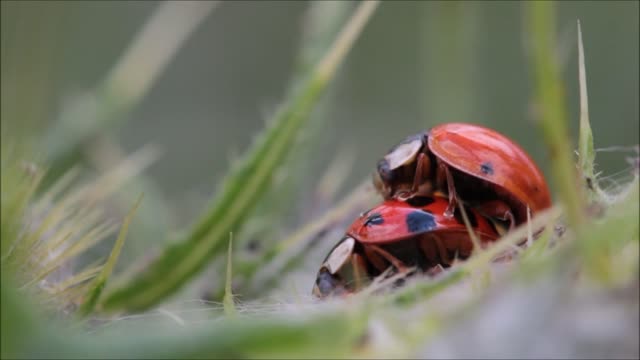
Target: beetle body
{"x": 476, "y": 164}
{"x": 402, "y": 234}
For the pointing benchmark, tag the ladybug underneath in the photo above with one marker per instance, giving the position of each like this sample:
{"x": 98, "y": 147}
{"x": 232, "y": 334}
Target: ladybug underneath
{"x": 401, "y": 234}
{"x": 468, "y": 162}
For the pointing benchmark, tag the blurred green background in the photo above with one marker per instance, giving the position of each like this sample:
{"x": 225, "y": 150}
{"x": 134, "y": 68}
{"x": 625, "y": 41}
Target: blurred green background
{"x": 416, "y": 65}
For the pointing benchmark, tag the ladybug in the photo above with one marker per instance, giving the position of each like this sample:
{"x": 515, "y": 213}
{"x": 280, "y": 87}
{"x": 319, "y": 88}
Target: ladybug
{"x": 402, "y": 234}
{"x": 468, "y": 162}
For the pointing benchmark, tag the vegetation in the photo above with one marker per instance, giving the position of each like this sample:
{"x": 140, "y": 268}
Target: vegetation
{"x": 59, "y": 301}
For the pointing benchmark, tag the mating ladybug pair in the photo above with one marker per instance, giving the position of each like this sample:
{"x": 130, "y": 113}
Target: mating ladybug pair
{"x": 422, "y": 180}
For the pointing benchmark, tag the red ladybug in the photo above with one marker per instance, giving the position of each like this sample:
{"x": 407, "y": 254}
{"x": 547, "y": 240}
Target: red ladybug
{"x": 470, "y": 163}
{"x": 401, "y": 234}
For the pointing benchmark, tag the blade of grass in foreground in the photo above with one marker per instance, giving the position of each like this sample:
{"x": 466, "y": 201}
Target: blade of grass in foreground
{"x": 247, "y": 181}
{"x": 227, "y": 302}
{"x": 26, "y": 335}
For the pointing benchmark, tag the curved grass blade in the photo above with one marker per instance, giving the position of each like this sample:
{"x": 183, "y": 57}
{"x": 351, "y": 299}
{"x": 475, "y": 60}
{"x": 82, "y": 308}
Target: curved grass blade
{"x": 321, "y": 23}
{"x": 247, "y": 181}
{"x": 99, "y": 282}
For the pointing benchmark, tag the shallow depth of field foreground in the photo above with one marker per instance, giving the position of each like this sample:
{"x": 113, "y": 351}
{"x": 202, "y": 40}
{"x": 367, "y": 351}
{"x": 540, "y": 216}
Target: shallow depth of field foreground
{"x": 175, "y": 177}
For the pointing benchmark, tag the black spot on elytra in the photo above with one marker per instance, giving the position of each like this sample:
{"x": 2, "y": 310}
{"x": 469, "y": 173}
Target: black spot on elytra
{"x": 486, "y": 168}
{"x": 420, "y": 221}
{"x": 420, "y": 201}
{"x": 470, "y": 215}
{"x": 374, "y": 219}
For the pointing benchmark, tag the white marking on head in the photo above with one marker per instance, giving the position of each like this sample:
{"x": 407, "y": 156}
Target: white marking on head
{"x": 403, "y": 154}
{"x": 340, "y": 255}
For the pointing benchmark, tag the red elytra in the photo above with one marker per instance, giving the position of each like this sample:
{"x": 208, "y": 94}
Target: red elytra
{"x": 396, "y": 220}
{"x": 470, "y": 162}
{"x": 400, "y": 234}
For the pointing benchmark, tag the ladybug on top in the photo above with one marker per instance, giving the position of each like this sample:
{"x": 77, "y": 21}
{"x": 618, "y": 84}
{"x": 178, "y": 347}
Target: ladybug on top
{"x": 468, "y": 162}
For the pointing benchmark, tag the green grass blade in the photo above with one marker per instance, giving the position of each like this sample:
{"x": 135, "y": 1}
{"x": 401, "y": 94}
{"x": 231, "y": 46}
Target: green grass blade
{"x": 550, "y": 99}
{"x": 227, "y": 302}
{"x": 13, "y": 207}
{"x": 322, "y": 22}
{"x": 99, "y": 282}
{"x": 334, "y": 334}
{"x": 586, "y": 152}
{"x": 246, "y": 182}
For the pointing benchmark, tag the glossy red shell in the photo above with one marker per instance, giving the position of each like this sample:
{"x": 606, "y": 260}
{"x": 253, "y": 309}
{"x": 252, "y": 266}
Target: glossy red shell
{"x": 395, "y": 220}
{"x": 493, "y": 157}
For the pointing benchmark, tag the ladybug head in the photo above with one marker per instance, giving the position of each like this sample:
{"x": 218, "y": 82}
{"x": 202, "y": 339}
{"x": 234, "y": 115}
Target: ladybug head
{"x": 328, "y": 284}
{"x": 397, "y": 165}
{"x": 383, "y": 178}
{"x": 329, "y": 280}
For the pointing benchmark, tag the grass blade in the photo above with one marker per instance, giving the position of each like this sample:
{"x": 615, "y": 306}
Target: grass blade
{"x": 586, "y": 152}
{"x": 246, "y": 182}
{"x": 322, "y": 21}
{"x": 550, "y": 98}
{"x": 98, "y": 284}
{"x": 227, "y": 302}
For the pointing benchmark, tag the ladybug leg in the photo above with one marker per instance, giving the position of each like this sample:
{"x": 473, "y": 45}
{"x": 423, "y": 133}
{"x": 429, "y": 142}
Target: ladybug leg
{"x": 442, "y": 250}
{"x": 376, "y": 260}
{"x": 390, "y": 258}
{"x": 444, "y": 175}
{"x": 499, "y": 210}
{"x": 359, "y": 270}
{"x": 422, "y": 170}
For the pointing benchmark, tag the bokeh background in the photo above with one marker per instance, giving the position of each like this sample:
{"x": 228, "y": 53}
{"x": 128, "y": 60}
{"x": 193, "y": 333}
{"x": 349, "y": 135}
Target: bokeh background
{"x": 417, "y": 64}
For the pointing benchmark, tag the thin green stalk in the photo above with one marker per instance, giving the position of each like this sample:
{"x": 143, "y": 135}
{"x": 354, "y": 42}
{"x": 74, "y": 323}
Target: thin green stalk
{"x": 586, "y": 152}
{"x": 322, "y": 22}
{"x": 101, "y": 280}
{"x": 227, "y": 301}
